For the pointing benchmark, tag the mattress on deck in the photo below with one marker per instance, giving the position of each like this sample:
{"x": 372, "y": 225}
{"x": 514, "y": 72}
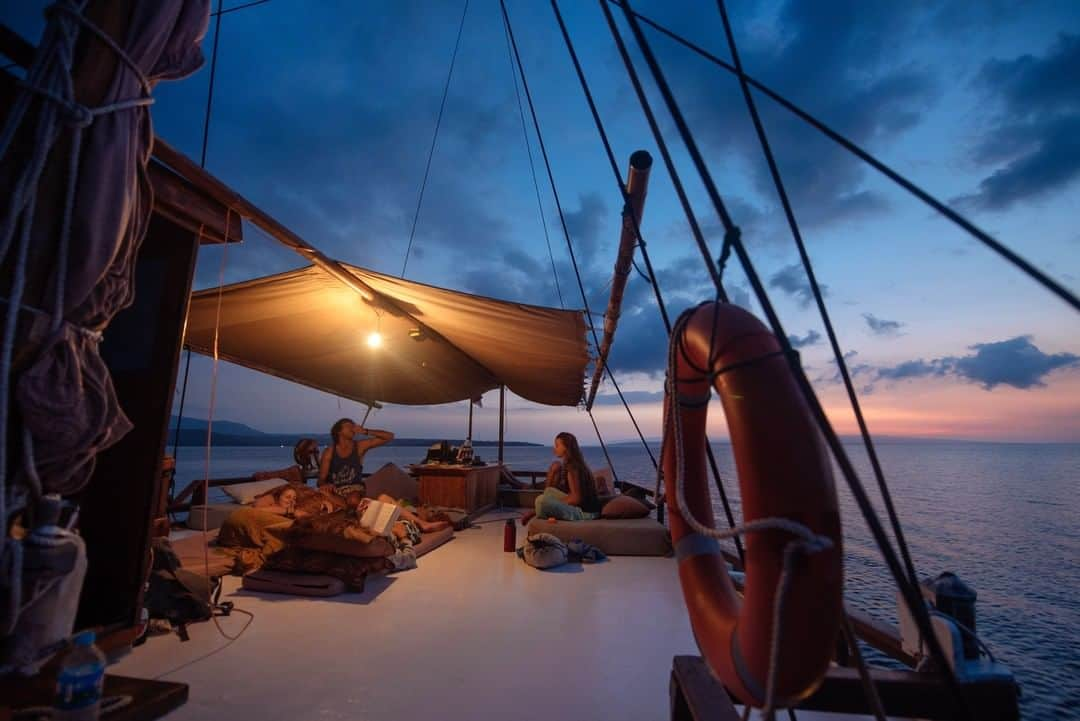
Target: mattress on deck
{"x": 613, "y": 536}
{"x": 193, "y": 557}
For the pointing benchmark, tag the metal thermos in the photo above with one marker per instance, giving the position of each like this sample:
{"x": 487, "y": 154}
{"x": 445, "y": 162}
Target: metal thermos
{"x": 509, "y": 536}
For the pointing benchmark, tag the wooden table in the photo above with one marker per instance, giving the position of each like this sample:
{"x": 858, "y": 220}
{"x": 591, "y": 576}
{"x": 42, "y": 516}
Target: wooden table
{"x": 471, "y": 488}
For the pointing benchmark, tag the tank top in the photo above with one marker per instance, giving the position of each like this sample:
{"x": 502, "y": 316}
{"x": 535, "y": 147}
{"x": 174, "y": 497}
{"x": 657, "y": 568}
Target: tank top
{"x": 347, "y": 471}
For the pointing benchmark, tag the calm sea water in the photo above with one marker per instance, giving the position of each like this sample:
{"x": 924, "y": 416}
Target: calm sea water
{"x": 1005, "y": 517}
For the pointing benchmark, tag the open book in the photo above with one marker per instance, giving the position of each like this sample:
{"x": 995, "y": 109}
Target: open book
{"x": 379, "y": 517}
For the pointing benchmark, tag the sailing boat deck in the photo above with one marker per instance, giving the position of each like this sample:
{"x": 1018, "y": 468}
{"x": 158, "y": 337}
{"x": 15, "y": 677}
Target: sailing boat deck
{"x": 471, "y": 633}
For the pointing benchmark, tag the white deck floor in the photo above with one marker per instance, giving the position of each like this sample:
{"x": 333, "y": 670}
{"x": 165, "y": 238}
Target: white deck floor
{"x": 473, "y": 633}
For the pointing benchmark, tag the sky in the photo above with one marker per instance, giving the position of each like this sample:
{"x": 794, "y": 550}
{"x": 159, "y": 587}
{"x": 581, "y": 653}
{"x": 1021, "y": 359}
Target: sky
{"x": 324, "y": 113}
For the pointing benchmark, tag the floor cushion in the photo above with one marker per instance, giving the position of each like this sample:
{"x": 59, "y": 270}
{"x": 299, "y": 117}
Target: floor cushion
{"x": 614, "y": 536}
{"x": 394, "y": 482}
{"x": 296, "y": 584}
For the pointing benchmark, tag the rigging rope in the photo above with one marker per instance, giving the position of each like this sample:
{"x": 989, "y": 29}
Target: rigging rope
{"x": 532, "y": 168}
{"x": 245, "y": 6}
{"x": 652, "y": 280}
{"x": 789, "y": 213}
{"x": 911, "y": 593}
{"x": 210, "y": 90}
{"x": 435, "y": 137}
{"x": 551, "y": 176}
{"x": 566, "y": 231}
{"x": 927, "y": 198}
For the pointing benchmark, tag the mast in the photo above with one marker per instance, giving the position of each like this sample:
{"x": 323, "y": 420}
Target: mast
{"x": 637, "y": 185}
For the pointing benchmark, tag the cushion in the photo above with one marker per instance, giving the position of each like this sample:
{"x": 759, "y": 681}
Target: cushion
{"x": 353, "y": 571}
{"x": 613, "y": 536}
{"x": 246, "y": 492}
{"x": 198, "y": 554}
{"x": 376, "y": 547}
{"x": 297, "y": 584}
{"x": 431, "y": 541}
{"x": 624, "y": 507}
{"x": 394, "y": 482}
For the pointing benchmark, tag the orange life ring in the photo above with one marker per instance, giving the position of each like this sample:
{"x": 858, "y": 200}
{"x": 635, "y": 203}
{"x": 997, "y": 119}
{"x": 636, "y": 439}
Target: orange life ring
{"x": 784, "y": 473}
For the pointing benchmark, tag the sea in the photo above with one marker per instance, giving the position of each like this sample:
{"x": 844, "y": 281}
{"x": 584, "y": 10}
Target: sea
{"x": 1005, "y": 517}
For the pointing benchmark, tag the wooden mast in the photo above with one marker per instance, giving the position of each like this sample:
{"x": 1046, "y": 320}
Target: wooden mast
{"x": 637, "y": 185}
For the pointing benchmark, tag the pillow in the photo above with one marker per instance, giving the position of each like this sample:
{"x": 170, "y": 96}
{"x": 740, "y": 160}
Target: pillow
{"x": 246, "y": 492}
{"x": 624, "y": 507}
{"x": 605, "y": 482}
{"x": 394, "y": 482}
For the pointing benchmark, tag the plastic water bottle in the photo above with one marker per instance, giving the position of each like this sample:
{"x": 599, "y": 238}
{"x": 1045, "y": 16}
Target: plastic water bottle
{"x": 78, "y": 685}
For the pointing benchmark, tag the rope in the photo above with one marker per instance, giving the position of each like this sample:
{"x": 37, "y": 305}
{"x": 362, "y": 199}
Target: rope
{"x": 652, "y": 280}
{"x": 551, "y": 176}
{"x": 603, "y": 447}
{"x": 48, "y": 78}
{"x": 864, "y": 672}
{"x": 183, "y": 395}
{"x": 245, "y": 6}
{"x": 627, "y": 211}
{"x": 806, "y": 541}
{"x": 684, "y": 200}
{"x": 210, "y": 90}
{"x": 434, "y": 138}
{"x": 789, "y": 212}
{"x": 532, "y": 169}
{"x": 209, "y": 441}
{"x": 911, "y": 593}
{"x": 870, "y": 160}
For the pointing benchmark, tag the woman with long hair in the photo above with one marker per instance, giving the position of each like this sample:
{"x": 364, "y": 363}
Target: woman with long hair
{"x": 570, "y": 494}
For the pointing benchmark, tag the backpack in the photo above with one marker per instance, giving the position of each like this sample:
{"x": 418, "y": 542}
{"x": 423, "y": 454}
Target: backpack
{"x": 176, "y": 595}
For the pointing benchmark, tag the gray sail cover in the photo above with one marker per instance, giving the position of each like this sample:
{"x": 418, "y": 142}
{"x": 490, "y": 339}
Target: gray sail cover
{"x": 63, "y": 389}
{"x": 438, "y": 345}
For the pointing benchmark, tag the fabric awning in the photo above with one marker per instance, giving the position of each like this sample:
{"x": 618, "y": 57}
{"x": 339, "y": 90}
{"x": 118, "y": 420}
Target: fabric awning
{"x": 438, "y": 345}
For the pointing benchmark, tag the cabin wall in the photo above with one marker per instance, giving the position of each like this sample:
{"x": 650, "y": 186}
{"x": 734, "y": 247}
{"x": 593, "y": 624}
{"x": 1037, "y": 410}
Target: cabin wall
{"x": 142, "y": 348}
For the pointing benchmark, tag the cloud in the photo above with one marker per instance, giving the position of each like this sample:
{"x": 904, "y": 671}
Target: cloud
{"x": 1033, "y": 146}
{"x": 880, "y": 326}
{"x": 585, "y": 225}
{"x": 811, "y": 338}
{"x": 1016, "y": 362}
{"x": 830, "y": 58}
{"x": 792, "y": 280}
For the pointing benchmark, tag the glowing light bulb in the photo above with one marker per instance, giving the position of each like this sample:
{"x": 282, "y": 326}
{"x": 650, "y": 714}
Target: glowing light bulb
{"x": 374, "y": 339}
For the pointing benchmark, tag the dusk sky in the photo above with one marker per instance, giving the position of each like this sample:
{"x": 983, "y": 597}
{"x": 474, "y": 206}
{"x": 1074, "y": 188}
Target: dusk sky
{"x": 324, "y": 112}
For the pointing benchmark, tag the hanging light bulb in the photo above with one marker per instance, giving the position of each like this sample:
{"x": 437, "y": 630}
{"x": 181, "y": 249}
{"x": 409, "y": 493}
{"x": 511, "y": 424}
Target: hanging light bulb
{"x": 374, "y": 339}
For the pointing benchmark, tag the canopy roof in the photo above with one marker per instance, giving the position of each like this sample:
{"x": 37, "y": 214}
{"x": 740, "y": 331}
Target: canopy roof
{"x": 438, "y": 345}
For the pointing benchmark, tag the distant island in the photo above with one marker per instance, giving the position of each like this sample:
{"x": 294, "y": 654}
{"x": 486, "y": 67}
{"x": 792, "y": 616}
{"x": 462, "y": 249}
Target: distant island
{"x": 231, "y": 433}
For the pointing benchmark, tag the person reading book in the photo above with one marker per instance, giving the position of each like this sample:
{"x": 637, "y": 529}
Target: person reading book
{"x": 356, "y": 502}
{"x": 341, "y": 467}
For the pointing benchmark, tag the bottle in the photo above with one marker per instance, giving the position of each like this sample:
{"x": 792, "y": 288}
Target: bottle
{"x": 509, "y": 536}
{"x": 78, "y": 685}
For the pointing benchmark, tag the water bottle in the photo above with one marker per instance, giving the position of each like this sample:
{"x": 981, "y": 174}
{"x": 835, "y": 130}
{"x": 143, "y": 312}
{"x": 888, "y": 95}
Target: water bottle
{"x": 509, "y": 536}
{"x": 78, "y": 685}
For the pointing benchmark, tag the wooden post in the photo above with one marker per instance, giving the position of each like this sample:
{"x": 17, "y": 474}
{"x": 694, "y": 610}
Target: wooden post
{"x": 502, "y": 420}
{"x": 468, "y": 436}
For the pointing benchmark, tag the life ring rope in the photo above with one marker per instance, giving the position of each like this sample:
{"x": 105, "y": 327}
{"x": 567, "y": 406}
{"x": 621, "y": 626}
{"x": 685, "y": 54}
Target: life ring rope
{"x": 704, "y": 539}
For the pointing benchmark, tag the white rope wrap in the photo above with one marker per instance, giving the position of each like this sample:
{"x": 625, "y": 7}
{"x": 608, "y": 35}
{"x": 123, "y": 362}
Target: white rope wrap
{"x": 49, "y": 78}
{"x": 806, "y": 540}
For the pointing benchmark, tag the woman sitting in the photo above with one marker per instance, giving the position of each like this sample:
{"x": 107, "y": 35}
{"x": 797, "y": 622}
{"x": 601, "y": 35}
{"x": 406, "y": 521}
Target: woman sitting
{"x": 570, "y": 494}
